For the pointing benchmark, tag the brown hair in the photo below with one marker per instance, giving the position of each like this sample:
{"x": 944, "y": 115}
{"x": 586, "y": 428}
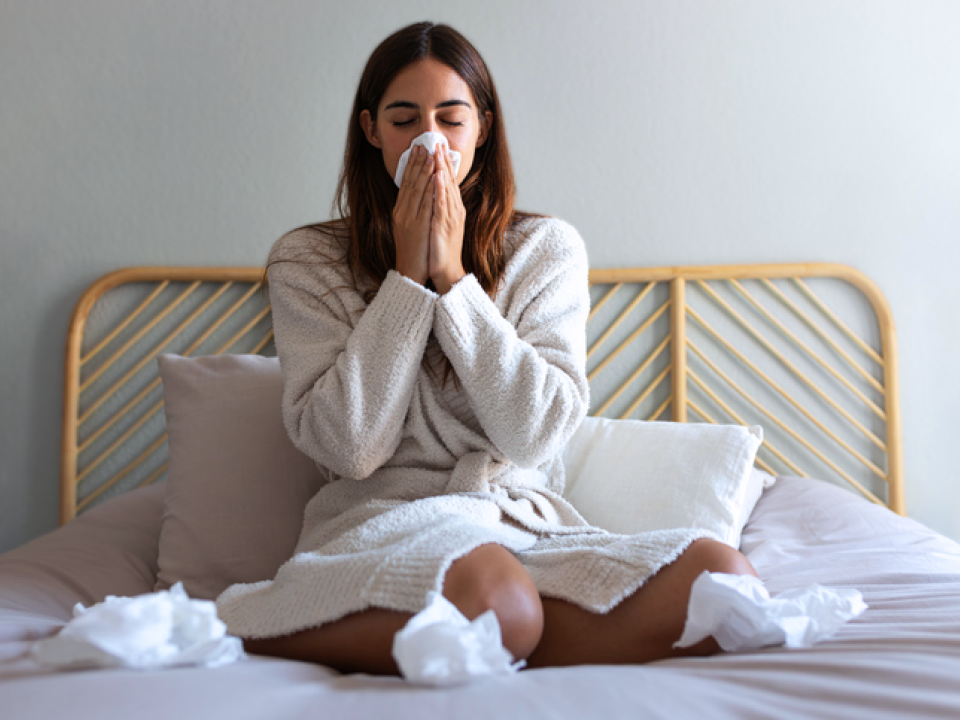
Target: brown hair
{"x": 366, "y": 194}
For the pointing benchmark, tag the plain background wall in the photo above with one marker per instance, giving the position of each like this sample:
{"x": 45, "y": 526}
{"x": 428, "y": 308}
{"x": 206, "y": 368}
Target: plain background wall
{"x": 685, "y": 132}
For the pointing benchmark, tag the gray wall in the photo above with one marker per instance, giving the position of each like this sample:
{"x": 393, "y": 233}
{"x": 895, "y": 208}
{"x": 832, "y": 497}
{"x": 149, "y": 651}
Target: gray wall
{"x": 682, "y": 132}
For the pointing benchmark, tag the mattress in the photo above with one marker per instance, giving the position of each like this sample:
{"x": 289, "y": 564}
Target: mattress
{"x": 900, "y": 659}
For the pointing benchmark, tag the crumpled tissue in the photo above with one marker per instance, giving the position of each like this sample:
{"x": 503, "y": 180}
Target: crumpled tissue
{"x": 739, "y": 613}
{"x": 429, "y": 140}
{"x": 146, "y": 632}
{"x": 439, "y": 646}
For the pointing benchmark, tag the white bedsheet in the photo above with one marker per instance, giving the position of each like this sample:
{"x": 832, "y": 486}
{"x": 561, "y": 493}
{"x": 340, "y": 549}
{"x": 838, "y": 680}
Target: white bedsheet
{"x": 901, "y": 659}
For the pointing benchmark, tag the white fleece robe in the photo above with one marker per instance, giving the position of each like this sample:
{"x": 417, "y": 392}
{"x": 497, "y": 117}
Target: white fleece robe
{"x": 421, "y": 473}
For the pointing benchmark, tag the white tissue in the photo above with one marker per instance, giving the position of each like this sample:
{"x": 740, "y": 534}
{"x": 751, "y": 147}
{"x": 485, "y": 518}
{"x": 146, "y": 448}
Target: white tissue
{"x": 429, "y": 140}
{"x": 439, "y": 646}
{"x": 739, "y": 613}
{"x": 157, "y": 630}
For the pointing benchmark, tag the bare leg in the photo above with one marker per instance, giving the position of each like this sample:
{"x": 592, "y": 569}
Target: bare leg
{"x": 360, "y": 642}
{"x": 644, "y": 626}
{"x": 640, "y": 629}
{"x": 488, "y": 577}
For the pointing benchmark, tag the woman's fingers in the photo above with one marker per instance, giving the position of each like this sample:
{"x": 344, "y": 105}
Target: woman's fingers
{"x": 428, "y": 192}
{"x": 442, "y": 177}
{"x": 420, "y": 191}
{"x": 414, "y": 172}
{"x": 446, "y": 226}
{"x": 448, "y": 191}
{"x": 416, "y": 177}
{"x": 424, "y": 176}
{"x": 414, "y": 163}
{"x": 438, "y": 183}
{"x": 412, "y": 217}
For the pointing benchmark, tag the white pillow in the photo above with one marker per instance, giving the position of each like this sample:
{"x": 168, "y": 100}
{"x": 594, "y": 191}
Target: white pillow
{"x": 628, "y": 476}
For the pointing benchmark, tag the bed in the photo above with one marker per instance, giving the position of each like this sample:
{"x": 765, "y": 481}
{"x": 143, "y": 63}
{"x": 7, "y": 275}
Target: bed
{"x": 807, "y": 351}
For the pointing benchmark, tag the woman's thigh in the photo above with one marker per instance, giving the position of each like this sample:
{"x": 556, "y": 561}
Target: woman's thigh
{"x": 644, "y": 626}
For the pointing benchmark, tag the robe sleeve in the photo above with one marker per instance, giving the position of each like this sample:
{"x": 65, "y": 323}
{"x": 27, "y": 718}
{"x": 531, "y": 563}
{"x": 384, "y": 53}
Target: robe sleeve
{"x": 524, "y": 369}
{"x": 349, "y": 372}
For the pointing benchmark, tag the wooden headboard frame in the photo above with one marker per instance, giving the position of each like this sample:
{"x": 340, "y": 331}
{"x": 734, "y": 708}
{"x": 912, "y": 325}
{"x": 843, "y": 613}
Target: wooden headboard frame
{"x": 667, "y": 351}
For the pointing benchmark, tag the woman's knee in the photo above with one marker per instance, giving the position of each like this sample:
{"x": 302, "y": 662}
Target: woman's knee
{"x": 715, "y": 556}
{"x": 491, "y": 578}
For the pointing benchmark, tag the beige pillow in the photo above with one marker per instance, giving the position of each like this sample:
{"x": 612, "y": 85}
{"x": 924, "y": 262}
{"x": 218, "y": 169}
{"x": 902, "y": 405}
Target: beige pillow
{"x": 111, "y": 549}
{"x": 236, "y": 485}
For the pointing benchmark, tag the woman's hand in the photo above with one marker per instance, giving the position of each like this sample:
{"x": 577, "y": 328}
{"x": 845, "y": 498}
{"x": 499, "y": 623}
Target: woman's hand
{"x": 446, "y": 226}
{"x": 412, "y": 217}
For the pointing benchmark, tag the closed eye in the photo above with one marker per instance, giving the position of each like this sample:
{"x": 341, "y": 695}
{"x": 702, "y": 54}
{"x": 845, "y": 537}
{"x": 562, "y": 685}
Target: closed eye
{"x": 396, "y": 123}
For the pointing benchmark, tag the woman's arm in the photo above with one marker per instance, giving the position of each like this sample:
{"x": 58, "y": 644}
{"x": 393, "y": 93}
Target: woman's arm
{"x": 524, "y": 373}
{"x": 348, "y": 380}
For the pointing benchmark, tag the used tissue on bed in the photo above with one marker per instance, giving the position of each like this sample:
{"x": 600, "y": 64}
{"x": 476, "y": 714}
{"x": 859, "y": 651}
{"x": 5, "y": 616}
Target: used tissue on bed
{"x": 429, "y": 140}
{"x": 739, "y": 613}
{"x": 146, "y": 632}
{"x": 439, "y": 646}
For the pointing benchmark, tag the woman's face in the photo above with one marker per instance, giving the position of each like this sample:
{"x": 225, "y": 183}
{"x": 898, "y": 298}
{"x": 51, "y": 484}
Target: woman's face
{"x": 426, "y": 96}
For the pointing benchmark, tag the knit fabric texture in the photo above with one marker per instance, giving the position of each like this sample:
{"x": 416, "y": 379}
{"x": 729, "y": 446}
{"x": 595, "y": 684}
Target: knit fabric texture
{"x": 422, "y": 470}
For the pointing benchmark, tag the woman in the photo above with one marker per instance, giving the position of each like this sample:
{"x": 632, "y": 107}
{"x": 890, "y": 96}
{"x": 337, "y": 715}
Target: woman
{"x": 432, "y": 343}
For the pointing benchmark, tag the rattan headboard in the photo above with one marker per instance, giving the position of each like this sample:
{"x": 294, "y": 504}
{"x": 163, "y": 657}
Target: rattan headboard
{"x": 805, "y": 350}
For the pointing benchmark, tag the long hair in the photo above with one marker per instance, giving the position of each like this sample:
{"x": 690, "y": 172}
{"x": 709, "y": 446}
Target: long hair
{"x": 366, "y": 194}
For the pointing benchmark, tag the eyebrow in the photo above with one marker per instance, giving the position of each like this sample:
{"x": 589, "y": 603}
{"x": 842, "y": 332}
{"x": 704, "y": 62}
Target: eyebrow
{"x": 414, "y": 106}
